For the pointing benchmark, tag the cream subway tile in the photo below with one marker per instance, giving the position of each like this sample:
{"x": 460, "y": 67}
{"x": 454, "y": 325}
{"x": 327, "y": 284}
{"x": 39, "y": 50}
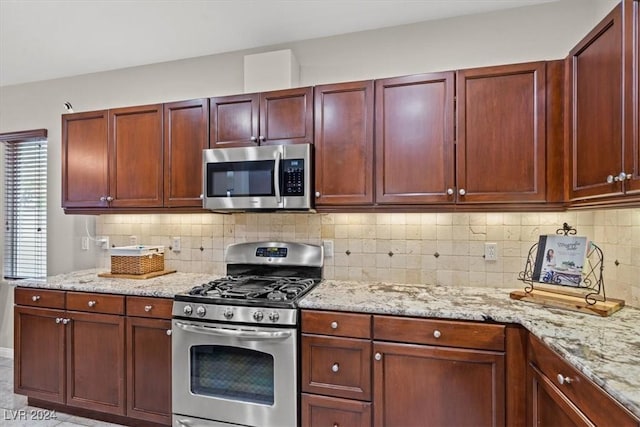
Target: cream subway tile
{"x": 327, "y": 219}
{"x": 494, "y": 279}
{"x": 513, "y": 265}
{"x": 413, "y": 232}
{"x": 635, "y": 217}
{"x": 399, "y": 261}
{"x": 369, "y": 260}
{"x": 369, "y": 246}
{"x": 460, "y": 232}
{"x": 429, "y": 262}
{"x": 398, "y": 275}
{"x": 443, "y": 218}
{"x": 413, "y": 276}
{"x": 341, "y": 231}
{"x": 355, "y": 260}
{"x": 369, "y": 219}
{"x": 445, "y": 247}
{"x": 444, "y": 278}
{"x": 428, "y": 247}
{"x": 495, "y": 233}
{"x": 340, "y": 245}
{"x": 584, "y": 218}
{"x": 399, "y": 246}
{"x": 355, "y": 231}
{"x": 460, "y": 263}
{"x": 478, "y": 232}
{"x": 398, "y": 218}
{"x": 550, "y": 218}
{"x": 369, "y": 231}
{"x": 478, "y": 219}
{"x": 383, "y": 260}
{"x": 570, "y": 218}
{"x": 413, "y": 261}
{"x": 461, "y": 248}
{"x": 398, "y": 231}
{"x": 444, "y": 232}
{"x": 509, "y": 249}
{"x": 342, "y": 219}
{"x": 477, "y": 264}
{"x": 495, "y": 218}
{"x": 327, "y": 231}
{"x": 328, "y": 272}
{"x": 477, "y": 278}
{"x": 460, "y": 278}
{"x": 530, "y": 218}
{"x": 511, "y": 232}
{"x": 429, "y": 232}
{"x": 512, "y": 219}
{"x": 610, "y": 217}
{"x": 355, "y": 245}
{"x": 611, "y": 234}
{"x": 429, "y": 276}
{"x": 413, "y": 219}
{"x": 355, "y": 273}
{"x": 383, "y": 246}
{"x": 429, "y": 219}
{"x": 354, "y": 219}
{"x": 383, "y": 219}
{"x": 383, "y": 231}
{"x": 414, "y": 247}
{"x": 495, "y": 266}
{"x": 460, "y": 218}
{"x": 341, "y": 273}
{"x": 340, "y": 259}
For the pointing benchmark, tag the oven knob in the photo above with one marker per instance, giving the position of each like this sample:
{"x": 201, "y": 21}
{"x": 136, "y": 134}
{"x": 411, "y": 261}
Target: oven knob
{"x": 228, "y": 313}
{"x": 257, "y": 316}
{"x": 274, "y": 316}
{"x": 201, "y": 311}
{"x": 187, "y": 310}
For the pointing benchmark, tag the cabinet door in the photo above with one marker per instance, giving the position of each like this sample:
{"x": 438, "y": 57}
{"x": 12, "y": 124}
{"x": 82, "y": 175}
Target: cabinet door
{"x": 95, "y": 362}
{"x": 595, "y": 114}
{"x": 186, "y": 134}
{"x": 149, "y": 369}
{"x": 344, "y": 143}
{"x": 84, "y": 160}
{"x": 631, "y": 10}
{"x": 320, "y": 411}
{"x": 414, "y": 139}
{"x": 39, "y": 340}
{"x": 135, "y": 167}
{"x": 549, "y": 407}
{"x": 501, "y": 134}
{"x": 286, "y": 117}
{"x": 447, "y": 387}
{"x": 234, "y": 120}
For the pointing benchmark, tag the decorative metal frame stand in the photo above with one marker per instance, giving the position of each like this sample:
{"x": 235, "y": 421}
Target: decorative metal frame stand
{"x": 587, "y": 296}
{"x": 592, "y": 281}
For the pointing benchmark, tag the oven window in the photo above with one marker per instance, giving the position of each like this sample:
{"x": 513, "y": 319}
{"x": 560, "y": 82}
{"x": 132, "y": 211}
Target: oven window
{"x": 240, "y": 179}
{"x": 232, "y": 373}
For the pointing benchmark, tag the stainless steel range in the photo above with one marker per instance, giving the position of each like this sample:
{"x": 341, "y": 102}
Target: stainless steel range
{"x": 235, "y": 339}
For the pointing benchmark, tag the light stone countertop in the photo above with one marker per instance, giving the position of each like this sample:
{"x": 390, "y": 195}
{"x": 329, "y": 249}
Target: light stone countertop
{"x": 605, "y": 349}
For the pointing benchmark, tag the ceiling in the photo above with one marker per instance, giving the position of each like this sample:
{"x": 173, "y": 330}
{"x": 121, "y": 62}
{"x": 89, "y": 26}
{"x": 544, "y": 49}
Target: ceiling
{"x": 47, "y": 39}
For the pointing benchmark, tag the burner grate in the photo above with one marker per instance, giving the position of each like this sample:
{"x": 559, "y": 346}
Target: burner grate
{"x": 254, "y": 288}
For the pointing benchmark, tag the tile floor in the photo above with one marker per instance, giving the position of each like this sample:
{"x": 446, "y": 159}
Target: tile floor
{"x": 14, "y": 411}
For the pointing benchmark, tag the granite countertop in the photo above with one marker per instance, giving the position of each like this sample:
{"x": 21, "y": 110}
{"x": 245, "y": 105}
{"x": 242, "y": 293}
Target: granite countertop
{"x": 605, "y": 349}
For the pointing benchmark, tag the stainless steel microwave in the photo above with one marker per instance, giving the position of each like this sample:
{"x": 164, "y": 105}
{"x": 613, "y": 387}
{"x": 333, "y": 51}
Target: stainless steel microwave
{"x": 265, "y": 177}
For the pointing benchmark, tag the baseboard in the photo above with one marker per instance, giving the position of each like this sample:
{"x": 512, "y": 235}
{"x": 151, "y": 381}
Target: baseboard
{"x": 6, "y": 352}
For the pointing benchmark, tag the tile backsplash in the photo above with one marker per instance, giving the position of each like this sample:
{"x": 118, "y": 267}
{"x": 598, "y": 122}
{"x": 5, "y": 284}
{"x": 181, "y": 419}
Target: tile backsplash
{"x": 428, "y": 248}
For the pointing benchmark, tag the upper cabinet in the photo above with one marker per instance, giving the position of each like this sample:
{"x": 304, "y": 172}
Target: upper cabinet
{"x": 277, "y": 117}
{"x": 344, "y": 144}
{"x": 186, "y": 134}
{"x": 135, "y": 157}
{"x": 501, "y": 144}
{"x": 603, "y": 109}
{"x": 414, "y": 139}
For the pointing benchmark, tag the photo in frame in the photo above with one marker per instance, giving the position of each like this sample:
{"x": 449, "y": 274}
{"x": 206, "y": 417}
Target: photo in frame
{"x": 560, "y": 259}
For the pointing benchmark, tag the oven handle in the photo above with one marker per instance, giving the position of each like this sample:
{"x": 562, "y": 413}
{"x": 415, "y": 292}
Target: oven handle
{"x": 276, "y": 176}
{"x": 246, "y": 335}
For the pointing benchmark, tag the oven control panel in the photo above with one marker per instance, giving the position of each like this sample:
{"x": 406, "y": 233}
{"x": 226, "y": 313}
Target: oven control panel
{"x": 271, "y": 252}
{"x": 235, "y": 314}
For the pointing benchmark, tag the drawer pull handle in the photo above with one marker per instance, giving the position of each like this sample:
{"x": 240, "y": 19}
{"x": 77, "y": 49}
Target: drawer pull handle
{"x": 334, "y": 325}
{"x": 91, "y": 303}
{"x": 148, "y": 308}
{"x": 378, "y": 356}
{"x": 437, "y": 334}
{"x": 335, "y": 367}
{"x": 562, "y": 379}
{"x": 35, "y": 298}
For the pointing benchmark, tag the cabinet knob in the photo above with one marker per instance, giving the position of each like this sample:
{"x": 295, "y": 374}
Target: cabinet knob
{"x": 378, "y": 356}
{"x": 148, "y": 308}
{"x": 253, "y": 139}
{"x": 336, "y": 425}
{"x": 201, "y": 196}
{"x": 334, "y": 325}
{"x": 109, "y": 199}
{"x": 35, "y": 298}
{"x": 169, "y": 332}
{"x": 462, "y": 192}
{"x": 562, "y": 379}
{"x": 450, "y": 191}
{"x": 261, "y": 138}
{"x": 91, "y": 303}
{"x": 437, "y": 334}
{"x": 335, "y": 367}
{"x": 317, "y": 194}
{"x": 65, "y": 321}
{"x": 622, "y": 176}
{"x": 104, "y": 199}
{"x": 58, "y": 319}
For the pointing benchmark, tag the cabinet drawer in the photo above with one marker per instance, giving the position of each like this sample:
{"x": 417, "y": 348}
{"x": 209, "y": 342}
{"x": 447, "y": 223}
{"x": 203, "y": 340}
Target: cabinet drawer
{"x": 338, "y": 367}
{"x": 39, "y": 297}
{"x": 332, "y": 411}
{"x": 159, "y": 308}
{"x": 439, "y": 332}
{"x": 596, "y": 404}
{"x": 95, "y": 303}
{"x": 336, "y": 323}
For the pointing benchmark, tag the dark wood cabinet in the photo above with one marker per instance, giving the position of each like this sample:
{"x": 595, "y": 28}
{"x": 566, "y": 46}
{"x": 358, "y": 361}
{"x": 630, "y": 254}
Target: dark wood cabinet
{"x": 441, "y": 365}
{"x": 320, "y": 411}
{"x": 186, "y": 134}
{"x": 344, "y": 144}
{"x": 277, "y": 117}
{"x": 85, "y": 160}
{"x": 559, "y": 395}
{"x": 136, "y": 157}
{"x": 149, "y": 359}
{"x": 501, "y": 145}
{"x": 414, "y": 139}
{"x": 600, "y": 130}
{"x": 631, "y": 43}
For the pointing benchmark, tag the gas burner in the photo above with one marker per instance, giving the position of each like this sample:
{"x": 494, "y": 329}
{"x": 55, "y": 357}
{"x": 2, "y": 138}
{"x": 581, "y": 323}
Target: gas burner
{"x": 252, "y": 288}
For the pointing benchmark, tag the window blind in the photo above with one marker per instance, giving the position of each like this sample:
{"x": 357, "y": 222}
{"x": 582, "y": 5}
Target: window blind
{"x": 25, "y": 209}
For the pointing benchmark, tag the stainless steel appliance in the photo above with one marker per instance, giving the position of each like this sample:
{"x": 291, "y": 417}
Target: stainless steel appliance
{"x": 235, "y": 339}
{"x": 258, "y": 178}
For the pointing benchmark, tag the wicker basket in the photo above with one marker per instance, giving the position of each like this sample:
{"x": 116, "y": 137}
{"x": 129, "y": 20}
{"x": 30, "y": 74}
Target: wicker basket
{"x": 137, "y": 260}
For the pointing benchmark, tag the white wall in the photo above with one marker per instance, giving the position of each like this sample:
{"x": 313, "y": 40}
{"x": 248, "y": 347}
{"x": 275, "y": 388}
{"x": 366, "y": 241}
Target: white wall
{"x": 532, "y": 33}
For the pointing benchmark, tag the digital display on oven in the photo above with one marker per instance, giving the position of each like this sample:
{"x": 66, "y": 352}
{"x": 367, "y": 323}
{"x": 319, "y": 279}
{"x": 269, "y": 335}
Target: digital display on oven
{"x": 271, "y": 252}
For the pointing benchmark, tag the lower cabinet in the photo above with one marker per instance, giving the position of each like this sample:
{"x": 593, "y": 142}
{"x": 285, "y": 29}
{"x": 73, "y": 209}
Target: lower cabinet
{"x": 559, "y": 395}
{"x": 81, "y": 350}
{"x": 397, "y": 371}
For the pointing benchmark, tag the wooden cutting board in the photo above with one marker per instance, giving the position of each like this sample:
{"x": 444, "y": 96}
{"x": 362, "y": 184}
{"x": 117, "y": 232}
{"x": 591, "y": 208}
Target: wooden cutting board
{"x": 569, "y": 302}
{"x": 137, "y": 276}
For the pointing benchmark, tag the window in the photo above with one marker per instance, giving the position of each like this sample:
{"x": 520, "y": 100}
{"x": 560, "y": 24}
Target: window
{"x": 25, "y": 204}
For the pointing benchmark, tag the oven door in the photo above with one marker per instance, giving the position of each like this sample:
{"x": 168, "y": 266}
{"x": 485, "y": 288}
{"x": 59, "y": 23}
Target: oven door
{"x": 235, "y": 374}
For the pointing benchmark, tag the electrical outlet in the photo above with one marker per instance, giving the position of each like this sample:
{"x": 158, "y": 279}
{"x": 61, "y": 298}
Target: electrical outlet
{"x": 103, "y": 242}
{"x": 490, "y": 251}
{"x": 133, "y": 240}
{"x": 176, "y": 244}
{"x": 85, "y": 243}
{"x": 328, "y": 248}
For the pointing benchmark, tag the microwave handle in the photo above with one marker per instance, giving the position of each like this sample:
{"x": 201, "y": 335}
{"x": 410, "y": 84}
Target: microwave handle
{"x": 276, "y": 176}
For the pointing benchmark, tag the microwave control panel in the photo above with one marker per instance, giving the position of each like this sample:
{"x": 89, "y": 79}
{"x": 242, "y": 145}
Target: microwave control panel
{"x": 293, "y": 177}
